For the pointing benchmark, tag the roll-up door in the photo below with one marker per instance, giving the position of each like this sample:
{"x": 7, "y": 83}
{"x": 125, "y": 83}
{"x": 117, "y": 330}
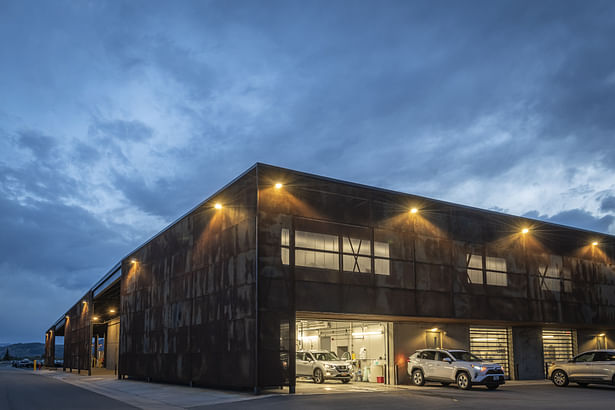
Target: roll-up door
{"x": 557, "y": 345}
{"x": 491, "y": 344}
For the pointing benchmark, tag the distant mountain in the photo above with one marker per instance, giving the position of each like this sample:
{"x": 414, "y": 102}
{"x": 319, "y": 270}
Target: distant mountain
{"x": 29, "y": 350}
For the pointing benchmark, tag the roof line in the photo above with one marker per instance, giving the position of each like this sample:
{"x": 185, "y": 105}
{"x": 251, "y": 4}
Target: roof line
{"x": 447, "y": 203}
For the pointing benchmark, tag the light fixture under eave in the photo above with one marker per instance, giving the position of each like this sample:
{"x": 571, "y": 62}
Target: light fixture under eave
{"x": 95, "y": 318}
{"x": 133, "y": 261}
{"x": 218, "y": 205}
{"x": 67, "y": 317}
{"x": 601, "y": 335}
{"x": 594, "y": 243}
{"x": 414, "y": 210}
{"x": 435, "y": 329}
{"x": 111, "y": 310}
{"x": 525, "y": 230}
{"x": 278, "y": 185}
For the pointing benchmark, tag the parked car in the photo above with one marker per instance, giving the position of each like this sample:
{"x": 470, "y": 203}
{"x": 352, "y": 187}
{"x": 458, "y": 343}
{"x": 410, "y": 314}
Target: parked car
{"x": 595, "y": 366}
{"x": 25, "y": 363}
{"x": 322, "y": 365}
{"x": 453, "y": 366}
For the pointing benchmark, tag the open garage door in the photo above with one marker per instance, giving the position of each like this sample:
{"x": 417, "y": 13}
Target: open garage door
{"x": 491, "y": 344}
{"x": 342, "y": 352}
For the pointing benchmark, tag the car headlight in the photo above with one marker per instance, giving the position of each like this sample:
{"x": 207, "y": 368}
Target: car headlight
{"x": 479, "y": 368}
{"x": 328, "y": 366}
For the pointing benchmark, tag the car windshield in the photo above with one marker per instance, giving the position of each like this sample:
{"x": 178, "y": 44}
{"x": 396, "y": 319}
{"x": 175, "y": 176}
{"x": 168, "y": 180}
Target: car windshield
{"x": 465, "y": 357}
{"x": 323, "y": 356}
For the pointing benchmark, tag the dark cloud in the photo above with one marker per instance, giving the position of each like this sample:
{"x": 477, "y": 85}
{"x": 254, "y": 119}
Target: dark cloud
{"x": 608, "y": 204}
{"x": 577, "y": 218}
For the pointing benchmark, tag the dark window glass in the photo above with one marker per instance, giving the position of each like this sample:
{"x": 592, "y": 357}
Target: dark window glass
{"x": 440, "y": 356}
{"x": 428, "y": 355}
{"x": 585, "y": 357}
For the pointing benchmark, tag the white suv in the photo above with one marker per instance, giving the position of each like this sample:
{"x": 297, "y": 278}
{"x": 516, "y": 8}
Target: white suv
{"x": 453, "y": 366}
{"x": 323, "y": 365}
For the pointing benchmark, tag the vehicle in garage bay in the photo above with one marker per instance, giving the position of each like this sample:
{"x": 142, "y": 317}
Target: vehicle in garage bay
{"x": 595, "y": 366}
{"x": 322, "y": 365}
{"x": 453, "y": 366}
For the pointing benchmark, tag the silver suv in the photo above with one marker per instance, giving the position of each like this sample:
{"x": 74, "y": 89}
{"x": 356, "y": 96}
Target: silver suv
{"x": 595, "y": 366}
{"x": 322, "y": 365}
{"x": 453, "y": 366}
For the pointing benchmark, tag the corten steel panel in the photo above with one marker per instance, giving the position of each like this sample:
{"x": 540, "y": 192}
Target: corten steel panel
{"x": 428, "y": 250}
{"x": 50, "y": 346}
{"x": 77, "y": 335}
{"x": 188, "y": 304}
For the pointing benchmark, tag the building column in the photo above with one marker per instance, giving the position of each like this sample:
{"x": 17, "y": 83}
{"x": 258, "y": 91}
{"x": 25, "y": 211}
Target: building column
{"x": 528, "y": 358}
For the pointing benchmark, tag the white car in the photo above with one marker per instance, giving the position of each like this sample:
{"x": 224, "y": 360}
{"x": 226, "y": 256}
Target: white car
{"x": 453, "y": 366}
{"x": 596, "y": 366}
{"x": 322, "y": 365}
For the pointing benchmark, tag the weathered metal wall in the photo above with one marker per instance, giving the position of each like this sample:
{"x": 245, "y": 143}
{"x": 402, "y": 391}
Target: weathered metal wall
{"x": 112, "y": 344}
{"x": 428, "y": 259}
{"x": 50, "y": 346}
{"x": 188, "y": 304}
{"x": 77, "y": 335}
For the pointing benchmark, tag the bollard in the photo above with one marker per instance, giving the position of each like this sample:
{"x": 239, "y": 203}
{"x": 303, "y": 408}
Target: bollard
{"x": 34, "y": 367}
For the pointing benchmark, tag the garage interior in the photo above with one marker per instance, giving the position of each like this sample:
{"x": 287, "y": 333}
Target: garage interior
{"x": 364, "y": 344}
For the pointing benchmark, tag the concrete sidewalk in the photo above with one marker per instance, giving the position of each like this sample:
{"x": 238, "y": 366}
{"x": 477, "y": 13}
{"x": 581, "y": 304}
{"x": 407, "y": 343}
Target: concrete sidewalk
{"x": 146, "y": 395}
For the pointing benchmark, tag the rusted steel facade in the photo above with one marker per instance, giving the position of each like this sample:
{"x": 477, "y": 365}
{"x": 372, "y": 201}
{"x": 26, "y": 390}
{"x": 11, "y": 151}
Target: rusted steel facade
{"x": 213, "y": 299}
{"x": 428, "y": 277}
{"x": 188, "y": 302}
{"x": 78, "y": 335}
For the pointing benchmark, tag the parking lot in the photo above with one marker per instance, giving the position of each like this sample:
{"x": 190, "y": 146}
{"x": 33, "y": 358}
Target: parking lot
{"x": 19, "y": 387}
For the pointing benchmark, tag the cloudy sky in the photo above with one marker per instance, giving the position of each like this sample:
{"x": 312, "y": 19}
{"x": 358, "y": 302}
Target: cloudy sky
{"x": 117, "y": 117}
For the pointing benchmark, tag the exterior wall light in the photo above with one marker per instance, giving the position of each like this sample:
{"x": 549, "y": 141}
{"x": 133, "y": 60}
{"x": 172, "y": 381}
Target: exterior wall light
{"x": 601, "y": 335}
{"x": 524, "y": 231}
{"x": 84, "y": 302}
{"x": 435, "y": 329}
{"x": 594, "y": 243}
{"x": 278, "y": 185}
{"x": 414, "y": 210}
{"x": 95, "y": 318}
{"x": 67, "y": 317}
{"x": 133, "y": 261}
{"x": 218, "y": 205}
{"x": 111, "y": 310}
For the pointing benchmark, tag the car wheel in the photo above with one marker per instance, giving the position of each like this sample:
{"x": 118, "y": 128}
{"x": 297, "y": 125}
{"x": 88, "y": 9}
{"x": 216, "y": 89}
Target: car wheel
{"x": 463, "y": 381}
{"x": 417, "y": 377}
{"x": 445, "y": 383}
{"x": 560, "y": 378}
{"x": 318, "y": 376}
{"x": 345, "y": 381}
{"x": 492, "y": 386}
{"x": 582, "y": 384}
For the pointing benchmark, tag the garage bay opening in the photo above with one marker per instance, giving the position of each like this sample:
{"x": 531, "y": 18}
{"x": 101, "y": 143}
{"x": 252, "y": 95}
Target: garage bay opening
{"x": 342, "y": 352}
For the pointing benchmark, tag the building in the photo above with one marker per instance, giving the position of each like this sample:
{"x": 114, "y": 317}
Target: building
{"x": 279, "y": 261}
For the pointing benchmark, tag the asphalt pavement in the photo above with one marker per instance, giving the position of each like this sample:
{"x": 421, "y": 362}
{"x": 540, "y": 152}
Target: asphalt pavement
{"x": 23, "y": 390}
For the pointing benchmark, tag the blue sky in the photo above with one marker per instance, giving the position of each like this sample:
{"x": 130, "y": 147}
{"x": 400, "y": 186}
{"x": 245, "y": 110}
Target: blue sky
{"x": 117, "y": 117}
